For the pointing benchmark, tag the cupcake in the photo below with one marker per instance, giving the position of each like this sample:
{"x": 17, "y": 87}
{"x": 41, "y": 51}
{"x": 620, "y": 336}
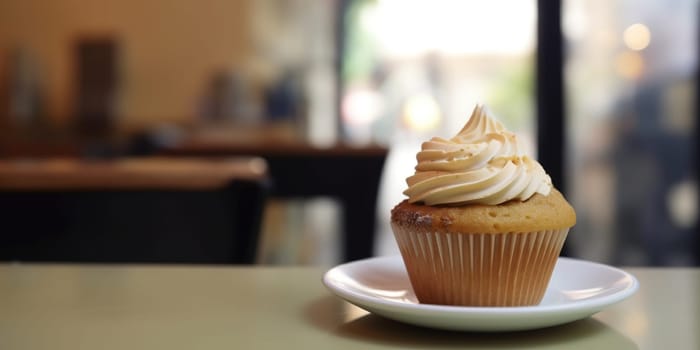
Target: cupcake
{"x": 482, "y": 224}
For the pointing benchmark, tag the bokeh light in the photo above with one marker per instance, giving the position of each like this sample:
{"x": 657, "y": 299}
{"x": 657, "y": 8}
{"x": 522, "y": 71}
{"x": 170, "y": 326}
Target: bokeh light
{"x": 637, "y": 37}
{"x": 361, "y": 107}
{"x": 629, "y": 64}
{"x": 421, "y": 113}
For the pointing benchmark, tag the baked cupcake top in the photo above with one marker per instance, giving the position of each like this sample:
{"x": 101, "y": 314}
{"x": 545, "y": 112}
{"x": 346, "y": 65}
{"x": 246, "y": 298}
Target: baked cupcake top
{"x": 482, "y": 164}
{"x": 539, "y": 213}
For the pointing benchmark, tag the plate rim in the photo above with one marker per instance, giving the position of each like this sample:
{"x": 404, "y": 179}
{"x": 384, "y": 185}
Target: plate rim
{"x": 594, "y": 305}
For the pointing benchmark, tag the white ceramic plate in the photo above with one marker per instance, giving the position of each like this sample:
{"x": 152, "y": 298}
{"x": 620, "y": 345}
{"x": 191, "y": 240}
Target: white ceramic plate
{"x": 578, "y": 289}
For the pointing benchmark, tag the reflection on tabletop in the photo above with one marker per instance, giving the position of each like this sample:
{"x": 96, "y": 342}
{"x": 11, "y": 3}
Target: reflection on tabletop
{"x": 354, "y": 323}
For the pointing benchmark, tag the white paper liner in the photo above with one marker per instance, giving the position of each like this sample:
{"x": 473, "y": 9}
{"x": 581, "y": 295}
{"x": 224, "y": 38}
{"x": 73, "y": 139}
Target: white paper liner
{"x": 476, "y": 269}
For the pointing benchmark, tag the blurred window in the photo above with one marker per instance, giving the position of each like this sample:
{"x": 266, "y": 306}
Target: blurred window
{"x": 630, "y": 86}
{"x": 414, "y": 69}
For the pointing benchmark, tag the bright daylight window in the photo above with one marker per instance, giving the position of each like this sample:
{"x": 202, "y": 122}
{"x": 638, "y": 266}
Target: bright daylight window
{"x": 414, "y": 69}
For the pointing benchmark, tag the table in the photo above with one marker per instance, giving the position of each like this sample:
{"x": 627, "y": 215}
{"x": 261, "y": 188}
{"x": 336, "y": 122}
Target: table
{"x": 299, "y": 169}
{"x": 204, "y": 307}
{"x": 145, "y": 209}
{"x": 56, "y": 174}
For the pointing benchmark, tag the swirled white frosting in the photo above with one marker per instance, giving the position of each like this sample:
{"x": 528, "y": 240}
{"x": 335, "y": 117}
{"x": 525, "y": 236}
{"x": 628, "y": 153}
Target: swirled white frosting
{"x": 480, "y": 165}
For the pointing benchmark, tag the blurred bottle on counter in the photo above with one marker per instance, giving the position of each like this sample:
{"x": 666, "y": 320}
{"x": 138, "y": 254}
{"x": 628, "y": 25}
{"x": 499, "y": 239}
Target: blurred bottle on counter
{"x": 97, "y": 84}
{"x": 285, "y": 101}
{"x": 229, "y": 99}
{"x": 21, "y": 96}
{"x": 284, "y": 97}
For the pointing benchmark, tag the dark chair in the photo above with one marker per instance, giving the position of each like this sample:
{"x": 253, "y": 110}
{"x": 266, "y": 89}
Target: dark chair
{"x": 132, "y": 211}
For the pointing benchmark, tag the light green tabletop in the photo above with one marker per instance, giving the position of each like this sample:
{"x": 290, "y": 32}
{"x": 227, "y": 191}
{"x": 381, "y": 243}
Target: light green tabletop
{"x": 151, "y": 307}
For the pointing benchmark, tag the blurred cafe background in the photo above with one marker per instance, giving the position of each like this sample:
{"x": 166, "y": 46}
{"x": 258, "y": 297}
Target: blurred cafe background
{"x": 281, "y": 131}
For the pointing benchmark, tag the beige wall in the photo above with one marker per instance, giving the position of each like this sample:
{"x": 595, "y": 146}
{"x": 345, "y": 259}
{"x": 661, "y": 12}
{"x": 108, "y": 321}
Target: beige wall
{"x": 169, "y": 48}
